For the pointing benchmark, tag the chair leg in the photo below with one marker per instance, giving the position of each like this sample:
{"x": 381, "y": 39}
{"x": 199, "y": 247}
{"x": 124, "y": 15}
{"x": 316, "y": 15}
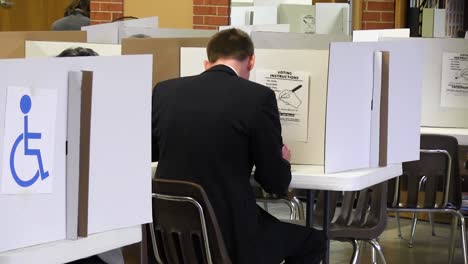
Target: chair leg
{"x": 356, "y": 251}
{"x": 265, "y": 205}
{"x": 463, "y": 239}
{"x": 413, "y": 229}
{"x": 431, "y": 220}
{"x": 292, "y": 208}
{"x": 153, "y": 243}
{"x": 376, "y": 245}
{"x": 397, "y": 216}
{"x": 373, "y": 256}
{"x": 453, "y": 230}
{"x": 300, "y": 207}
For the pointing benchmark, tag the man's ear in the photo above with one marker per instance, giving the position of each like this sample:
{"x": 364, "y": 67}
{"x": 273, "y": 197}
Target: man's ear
{"x": 251, "y": 63}
{"x": 207, "y": 64}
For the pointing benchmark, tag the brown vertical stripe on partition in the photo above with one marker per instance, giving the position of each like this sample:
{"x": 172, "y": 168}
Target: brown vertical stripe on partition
{"x": 85, "y": 131}
{"x": 384, "y": 109}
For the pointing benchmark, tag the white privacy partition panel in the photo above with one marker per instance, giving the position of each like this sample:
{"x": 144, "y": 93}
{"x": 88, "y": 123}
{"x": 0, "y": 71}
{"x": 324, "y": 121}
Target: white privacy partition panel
{"x": 433, "y": 113}
{"x": 260, "y": 28}
{"x": 332, "y": 18}
{"x": 51, "y": 49}
{"x": 300, "y": 17}
{"x": 286, "y": 40}
{"x": 350, "y": 92}
{"x": 108, "y": 33}
{"x": 120, "y": 147}
{"x": 126, "y": 32}
{"x": 375, "y": 35}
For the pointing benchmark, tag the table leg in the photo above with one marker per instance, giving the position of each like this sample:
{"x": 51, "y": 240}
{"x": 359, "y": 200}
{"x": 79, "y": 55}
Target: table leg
{"x": 326, "y": 225}
{"x": 310, "y": 208}
{"x": 326, "y": 218}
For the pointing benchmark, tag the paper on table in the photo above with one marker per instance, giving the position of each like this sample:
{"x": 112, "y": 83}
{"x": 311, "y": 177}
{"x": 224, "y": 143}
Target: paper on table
{"x": 454, "y": 84}
{"x": 292, "y": 92}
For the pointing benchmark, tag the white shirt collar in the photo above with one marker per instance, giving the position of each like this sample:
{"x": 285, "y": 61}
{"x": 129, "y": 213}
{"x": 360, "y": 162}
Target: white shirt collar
{"x": 232, "y": 69}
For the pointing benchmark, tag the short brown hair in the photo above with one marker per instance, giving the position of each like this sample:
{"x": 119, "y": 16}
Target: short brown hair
{"x": 230, "y": 44}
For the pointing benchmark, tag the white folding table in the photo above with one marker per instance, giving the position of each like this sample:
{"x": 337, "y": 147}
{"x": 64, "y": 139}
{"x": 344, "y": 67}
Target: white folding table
{"x": 69, "y": 250}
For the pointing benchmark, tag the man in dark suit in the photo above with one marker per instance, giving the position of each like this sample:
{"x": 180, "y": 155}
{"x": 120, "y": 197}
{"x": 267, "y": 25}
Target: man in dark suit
{"x": 211, "y": 129}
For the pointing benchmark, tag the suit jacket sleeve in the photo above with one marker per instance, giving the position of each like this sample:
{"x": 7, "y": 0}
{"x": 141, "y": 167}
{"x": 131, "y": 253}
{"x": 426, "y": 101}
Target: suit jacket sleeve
{"x": 272, "y": 171}
{"x": 154, "y": 127}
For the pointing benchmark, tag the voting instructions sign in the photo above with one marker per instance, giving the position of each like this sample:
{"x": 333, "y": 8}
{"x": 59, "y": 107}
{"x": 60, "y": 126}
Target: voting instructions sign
{"x": 292, "y": 94}
{"x": 29, "y": 141}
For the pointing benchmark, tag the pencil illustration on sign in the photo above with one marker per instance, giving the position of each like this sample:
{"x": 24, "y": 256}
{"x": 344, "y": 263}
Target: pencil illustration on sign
{"x": 290, "y": 97}
{"x": 463, "y": 74}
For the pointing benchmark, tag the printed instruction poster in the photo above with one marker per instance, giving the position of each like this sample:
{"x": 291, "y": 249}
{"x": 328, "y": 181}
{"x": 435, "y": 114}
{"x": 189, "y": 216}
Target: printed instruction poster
{"x": 308, "y": 24}
{"x": 29, "y": 141}
{"x": 454, "y": 85}
{"x": 292, "y": 94}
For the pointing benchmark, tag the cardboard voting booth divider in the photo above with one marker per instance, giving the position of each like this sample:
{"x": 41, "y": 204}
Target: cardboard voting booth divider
{"x": 119, "y": 156}
{"x": 300, "y": 17}
{"x": 375, "y": 35}
{"x": 108, "y": 33}
{"x": 13, "y": 43}
{"x": 338, "y": 118}
{"x": 36, "y": 49}
{"x": 444, "y": 96}
{"x": 165, "y": 51}
{"x": 281, "y": 40}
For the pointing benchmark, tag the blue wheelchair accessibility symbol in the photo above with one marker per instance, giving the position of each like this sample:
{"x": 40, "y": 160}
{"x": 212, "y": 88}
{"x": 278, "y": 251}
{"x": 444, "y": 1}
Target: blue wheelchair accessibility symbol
{"x": 25, "y": 105}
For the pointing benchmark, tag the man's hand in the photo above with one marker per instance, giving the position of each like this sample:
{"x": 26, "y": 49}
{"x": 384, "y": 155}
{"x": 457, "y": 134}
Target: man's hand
{"x": 286, "y": 153}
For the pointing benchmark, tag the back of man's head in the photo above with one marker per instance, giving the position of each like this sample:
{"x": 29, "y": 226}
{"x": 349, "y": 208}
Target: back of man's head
{"x": 78, "y": 52}
{"x": 230, "y": 44}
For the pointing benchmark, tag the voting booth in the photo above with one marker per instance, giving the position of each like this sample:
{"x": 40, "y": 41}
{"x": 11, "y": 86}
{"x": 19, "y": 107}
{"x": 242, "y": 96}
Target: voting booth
{"x": 302, "y": 16}
{"x": 333, "y": 111}
{"x": 37, "y": 49}
{"x": 127, "y": 32}
{"x": 445, "y": 82}
{"x": 13, "y": 43}
{"x": 108, "y": 33}
{"x": 75, "y": 148}
{"x": 165, "y": 51}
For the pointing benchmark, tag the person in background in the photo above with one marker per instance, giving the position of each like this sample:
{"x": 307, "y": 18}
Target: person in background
{"x": 76, "y": 16}
{"x": 78, "y": 52}
{"x": 211, "y": 129}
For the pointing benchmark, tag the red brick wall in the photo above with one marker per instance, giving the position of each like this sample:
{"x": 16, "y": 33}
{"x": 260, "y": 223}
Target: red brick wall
{"x": 209, "y": 14}
{"x": 378, "y": 14}
{"x": 103, "y": 11}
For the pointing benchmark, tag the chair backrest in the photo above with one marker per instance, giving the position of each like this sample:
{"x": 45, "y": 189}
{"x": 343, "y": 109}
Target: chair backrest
{"x": 435, "y": 177}
{"x": 362, "y": 215}
{"x": 184, "y": 224}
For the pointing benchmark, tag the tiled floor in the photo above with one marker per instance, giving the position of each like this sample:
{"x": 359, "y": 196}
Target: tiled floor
{"x": 427, "y": 248}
